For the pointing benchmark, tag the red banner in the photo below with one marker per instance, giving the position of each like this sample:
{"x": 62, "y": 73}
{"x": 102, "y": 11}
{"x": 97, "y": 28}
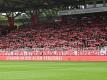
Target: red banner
{"x": 54, "y": 58}
{"x": 55, "y": 55}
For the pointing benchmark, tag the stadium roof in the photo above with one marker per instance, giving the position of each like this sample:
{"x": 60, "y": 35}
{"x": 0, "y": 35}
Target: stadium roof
{"x": 18, "y": 5}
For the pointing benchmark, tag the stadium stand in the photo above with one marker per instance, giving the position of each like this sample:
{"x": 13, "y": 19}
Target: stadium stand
{"x": 40, "y": 36}
{"x": 79, "y": 34}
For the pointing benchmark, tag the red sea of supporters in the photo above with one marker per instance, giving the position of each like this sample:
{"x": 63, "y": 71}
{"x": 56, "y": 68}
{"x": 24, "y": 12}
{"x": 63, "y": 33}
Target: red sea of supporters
{"x": 74, "y": 37}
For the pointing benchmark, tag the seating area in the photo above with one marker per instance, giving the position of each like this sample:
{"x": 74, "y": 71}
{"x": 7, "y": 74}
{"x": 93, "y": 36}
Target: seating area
{"x": 78, "y": 34}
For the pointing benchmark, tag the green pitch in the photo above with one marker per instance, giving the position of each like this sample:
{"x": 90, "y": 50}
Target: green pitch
{"x": 53, "y": 70}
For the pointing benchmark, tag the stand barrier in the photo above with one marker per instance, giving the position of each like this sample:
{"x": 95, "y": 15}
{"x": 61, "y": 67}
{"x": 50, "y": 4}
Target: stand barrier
{"x": 55, "y": 55}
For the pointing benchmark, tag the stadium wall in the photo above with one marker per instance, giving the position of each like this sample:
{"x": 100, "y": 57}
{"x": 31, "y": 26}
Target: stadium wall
{"x": 55, "y": 55}
{"x": 53, "y": 58}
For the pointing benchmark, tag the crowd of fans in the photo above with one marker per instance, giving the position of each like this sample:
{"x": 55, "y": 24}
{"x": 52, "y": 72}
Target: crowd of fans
{"x": 76, "y": 34}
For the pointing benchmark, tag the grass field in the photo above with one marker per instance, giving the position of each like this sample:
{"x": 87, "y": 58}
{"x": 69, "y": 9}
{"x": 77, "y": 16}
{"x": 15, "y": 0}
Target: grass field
{"x": 53, "y": 70}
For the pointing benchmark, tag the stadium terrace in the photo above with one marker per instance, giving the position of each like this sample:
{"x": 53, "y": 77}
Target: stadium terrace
{"x": 70, "y": 30}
